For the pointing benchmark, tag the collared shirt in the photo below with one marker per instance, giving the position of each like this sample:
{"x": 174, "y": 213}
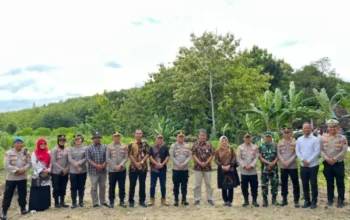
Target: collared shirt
{"x": 308, "y": 148}
{"x": 202, "y": 150}
{"x": 180, "y": 154}
{"x": 117, "y": 154}
{"x": 15, "y": 160}
{"x": 247, "y": 155}
{"x": 96, "y": 154}
{"x": 286, "y": 153}
{"x": 138, "y": 150}
{"x": 77, "y": 154}
{"x": 59, "y": 160}
{"x": 269, "y": 153}
{"x": 159, "y": 154}
{"x": 334, "y": 147}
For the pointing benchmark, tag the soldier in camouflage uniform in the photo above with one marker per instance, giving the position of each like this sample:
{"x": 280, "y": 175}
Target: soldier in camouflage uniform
{"x": 269, "y": 169}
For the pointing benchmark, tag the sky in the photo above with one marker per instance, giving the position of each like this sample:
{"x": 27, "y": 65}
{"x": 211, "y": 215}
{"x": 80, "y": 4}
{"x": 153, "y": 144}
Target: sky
{"x": 54, "y": 50}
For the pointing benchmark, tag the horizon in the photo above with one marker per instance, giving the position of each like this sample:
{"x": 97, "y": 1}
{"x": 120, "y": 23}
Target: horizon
{"x": 52, "y": 52}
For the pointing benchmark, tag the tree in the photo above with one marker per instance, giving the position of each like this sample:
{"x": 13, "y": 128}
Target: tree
{"x": 11, "y": 128}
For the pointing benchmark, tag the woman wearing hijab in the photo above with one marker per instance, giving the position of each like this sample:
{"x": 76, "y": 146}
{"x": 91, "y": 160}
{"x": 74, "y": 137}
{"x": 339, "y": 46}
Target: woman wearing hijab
{"x": 40, "y": 198}
{"x": 77, "y": 170}
{"x": 225, "y": 158}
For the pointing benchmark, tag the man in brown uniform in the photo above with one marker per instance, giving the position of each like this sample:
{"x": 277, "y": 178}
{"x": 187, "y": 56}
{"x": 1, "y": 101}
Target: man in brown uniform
{"x": 333, "y": 150}
{"x": 288, "y": 164}
{"x": 59, "y": 171}
{"x": 117, "y": 155}
{"x": 17, "y": 163}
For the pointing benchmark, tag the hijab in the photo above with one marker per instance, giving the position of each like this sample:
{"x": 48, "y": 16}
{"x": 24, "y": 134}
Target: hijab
{"x": 220, "y": 141}
{"x": 42, "y": 154}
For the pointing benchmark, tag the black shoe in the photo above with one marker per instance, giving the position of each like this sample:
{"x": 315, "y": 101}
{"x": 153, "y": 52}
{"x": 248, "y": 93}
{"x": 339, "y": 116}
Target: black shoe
{"x": 62, "y": 203}
{"x": 225, "y": 204}
{"x": 197, "y": 202}
{"x": 111, "y": 205}
{"x": 185, "y": 203}
{"x": 340, "y": 203}
{"x": 313, "y": 205}
{"x": 97, "y": 206}
{"x": 3, "y": 215}
{"x": 176, "y": 203}
{"x": 210, "y": 202}
{"x": 229, "y": 204}
{"x": 265, "y": 202}
{"x": 74, "y": 205}
{"x": 24, "y": 211}
{"x": 122, "y": 204}
{"x": 284, "y": 201}
{"x": 105, "y": 204}
{"x": 329, "y": 204}
{"x": 296, "y": 204}
{"x": 81, "y": 204}
{"x": 143, "y": 204}
{"x": 306, "y": 205}
{"x": 58, "y": 206}
{"x": 246, "y": 203}
{"x": 131, "y": 204}
{"x": 255, "y": 204}
{"x": 274, "y": 200}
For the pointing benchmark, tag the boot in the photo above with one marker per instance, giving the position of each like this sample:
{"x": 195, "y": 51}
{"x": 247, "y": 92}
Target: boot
{"x": 176, "y": 199}
{"x": 57, "y": 203}
{"x": 284, "y": 201}
{"x": 340, "y": 203}
{"x": 23, "y": 210}
{"x": 246, "y": 202}
{"x": 111, "y": 204}
{"x": 3, "y": 215}
{"x": 184, "y": 202}
{"x": 274, "y": 200}
{"x": 254, "y": 203}
{"x": 164, "y": 202}
{"x": 74, "y": 201}
{"x": 62, "y": 203}
{"x": 81, "y": 201}
{"x": 296, "y": 203}
{"x": 265, "y": 202}
{"x": 176, "y": 203}
{"x": 122, "y": 204}
{"x": 151, "y": 202}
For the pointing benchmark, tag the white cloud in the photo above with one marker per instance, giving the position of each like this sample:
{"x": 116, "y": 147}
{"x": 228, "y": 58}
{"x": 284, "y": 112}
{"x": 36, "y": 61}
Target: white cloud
{"x": 79, "y": 37}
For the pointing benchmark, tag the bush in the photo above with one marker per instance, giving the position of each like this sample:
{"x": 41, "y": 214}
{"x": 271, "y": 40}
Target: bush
{"x": 42, "y": 131}
{"x": 25, "y": 132}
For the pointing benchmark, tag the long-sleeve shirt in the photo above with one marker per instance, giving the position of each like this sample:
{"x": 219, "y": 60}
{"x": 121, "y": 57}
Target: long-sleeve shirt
{"x": 15, "y": 160}
{"x": 59, "y": 160}
{"x": 38, "y": 167}
{"x": 117, "y": 154}
{"x": 334, "y": 147}
{"x": 180, "y": 154}
{"x": 308, "y": 148}
{"x": 247, "y": 155}
{"x": 77, "y": 154}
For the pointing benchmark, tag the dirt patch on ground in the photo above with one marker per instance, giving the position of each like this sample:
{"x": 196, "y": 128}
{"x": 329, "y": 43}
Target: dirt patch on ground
{"x": 203, "y": 211}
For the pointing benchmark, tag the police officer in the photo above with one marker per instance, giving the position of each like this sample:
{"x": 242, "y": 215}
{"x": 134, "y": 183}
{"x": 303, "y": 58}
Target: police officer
{"x": 116, "y": 155}
{"x": 247, "y": 156}
{"x": 17, "y": 163}
{"x": 59, "y": 171}
{"x": 269, "y": 169}
{"x": 287, "y": 158}
{"x": 180, "y": 154}
{"x": 333, "y": 150}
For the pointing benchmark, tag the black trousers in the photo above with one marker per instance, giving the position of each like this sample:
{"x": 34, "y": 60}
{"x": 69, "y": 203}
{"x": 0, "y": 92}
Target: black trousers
{"x": 9, "y": 191}
{"x": 336, "y": 172}
{"x": 180, "y": 179}
{"x": 251, "y": 180}
{"x": 227, "y": 195}
{"x": 114, "y": 179}
{"x": 309, "y": 176}
{"x": 59, "y": 185}
{"x": 293, "y": 174}
{"x": 77, "y": 185}
{"x": 141, "y": 176}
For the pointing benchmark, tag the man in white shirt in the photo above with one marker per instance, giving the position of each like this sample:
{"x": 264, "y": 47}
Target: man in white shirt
{"x": 308, "y": 150}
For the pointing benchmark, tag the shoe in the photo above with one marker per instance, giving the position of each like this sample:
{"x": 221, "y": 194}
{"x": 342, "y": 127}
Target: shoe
{"x": 62, "y": 203}
{"x": 329, "y": 204}
{"x": 296, "y": 204}
{"x": 185, "y": 203}
{"x": 81, "y": 204}
{"x": 151, "y": 202}
{"x": 24, "y": 211}
{"x": 74, "y": 205}
{"x": 210, "y": 202}
{"x": 3, "y": 215}
{"x": 143, "y": 204}
{"x": 255, "y": 204}
{"x": 122, "y": 204}
{"x": 313, "y": 205}
{"x": 284, "y": 201}
{"x": 246, "y": 203}
{"x": 105, "y": 204}
{"x": 306, "y": 205}
{"x": 176, "y": 203}
{"x": 225, "y": 204}
{"x": 164, "y": 202}
{"x": 111, "y": 205}
{"x": 197, "y": 202}
{"x": 57, "y": 206}
{"x": 265, "y": 202}
{"x": 131, "y": 204}
{"x": 229, "y": 204}
{"x": 340, "y": 203}
{"x": 274, "y": 200}
{"x": 96, "y": 206}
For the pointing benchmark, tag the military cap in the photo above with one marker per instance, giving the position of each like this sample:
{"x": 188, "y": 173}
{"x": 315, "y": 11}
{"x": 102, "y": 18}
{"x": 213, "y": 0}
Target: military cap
{"x": 247, "y": 135}
{"x": 96, "y": 134}
{"x": 159, "y": 135}
{"x": 180, "y": 134}
{"x": 268, "y": 133}
{"x": 332, "y": 122}
{"x": 61, "y": 136}
{"x": 18, "y": 139}
{"x": 116, "y": 134}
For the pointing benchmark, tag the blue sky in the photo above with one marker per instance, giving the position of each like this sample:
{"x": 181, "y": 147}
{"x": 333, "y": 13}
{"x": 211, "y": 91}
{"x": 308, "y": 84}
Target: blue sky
{"x": 53, "y": 50}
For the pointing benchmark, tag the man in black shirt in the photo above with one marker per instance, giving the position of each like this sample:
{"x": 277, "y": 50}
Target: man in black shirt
{"x": 159, "y": 156}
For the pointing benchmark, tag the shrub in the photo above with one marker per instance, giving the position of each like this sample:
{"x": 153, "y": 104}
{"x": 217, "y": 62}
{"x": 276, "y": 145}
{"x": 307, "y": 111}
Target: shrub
{"x": 42, "y": 131}
{"x": 25, "y": 132}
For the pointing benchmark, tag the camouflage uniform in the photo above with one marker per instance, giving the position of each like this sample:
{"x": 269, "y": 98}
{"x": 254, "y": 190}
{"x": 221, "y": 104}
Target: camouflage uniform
{"x": 269, "y": 153}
